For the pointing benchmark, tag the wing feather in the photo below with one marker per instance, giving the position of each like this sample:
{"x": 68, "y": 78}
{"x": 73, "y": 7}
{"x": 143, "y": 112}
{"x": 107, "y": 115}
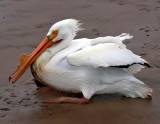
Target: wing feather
{"x": 107, "y": 51}
{"x": 104, "y": 55}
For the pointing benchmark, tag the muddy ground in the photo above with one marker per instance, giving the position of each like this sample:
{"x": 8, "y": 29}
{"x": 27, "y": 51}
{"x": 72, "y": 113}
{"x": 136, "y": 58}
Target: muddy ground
{"x": 23, "y": 25}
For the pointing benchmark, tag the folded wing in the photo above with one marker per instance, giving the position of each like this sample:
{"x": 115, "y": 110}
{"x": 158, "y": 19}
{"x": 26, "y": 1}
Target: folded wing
{"x": 107, "y": 54}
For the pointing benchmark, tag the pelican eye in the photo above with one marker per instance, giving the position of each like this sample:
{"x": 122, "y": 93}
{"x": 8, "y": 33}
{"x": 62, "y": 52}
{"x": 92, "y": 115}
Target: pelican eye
{"x": 54, "y": 32}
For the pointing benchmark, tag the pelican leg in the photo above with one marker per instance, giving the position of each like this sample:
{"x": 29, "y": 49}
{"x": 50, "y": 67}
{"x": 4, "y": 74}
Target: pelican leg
{"x": 44, "y": 89}
{"x": 67, "y": 100}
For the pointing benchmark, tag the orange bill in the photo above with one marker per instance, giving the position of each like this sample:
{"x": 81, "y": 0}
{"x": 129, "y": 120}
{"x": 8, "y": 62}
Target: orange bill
{"x": 26, "y": 61}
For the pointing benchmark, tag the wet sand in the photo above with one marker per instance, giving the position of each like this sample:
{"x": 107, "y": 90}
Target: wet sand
{"x": 23, "y": 25}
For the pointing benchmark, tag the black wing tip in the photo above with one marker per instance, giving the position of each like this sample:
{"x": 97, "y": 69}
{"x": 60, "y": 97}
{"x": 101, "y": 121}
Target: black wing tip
{"x": 121, "y": 66}
{"x": 147, "y": 65}
{"x": 126, "y": 66}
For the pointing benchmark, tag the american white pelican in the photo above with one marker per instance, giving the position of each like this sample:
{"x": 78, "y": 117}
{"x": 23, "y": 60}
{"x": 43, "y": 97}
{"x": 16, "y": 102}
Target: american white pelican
{"x": 90, "y": 66}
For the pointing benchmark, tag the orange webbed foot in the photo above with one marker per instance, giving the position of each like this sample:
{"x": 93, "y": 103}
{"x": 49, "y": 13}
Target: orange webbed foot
{"x": 66, "y": 100}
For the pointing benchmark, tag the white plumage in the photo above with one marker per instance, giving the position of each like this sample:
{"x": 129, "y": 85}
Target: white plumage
{"x": 90, "y": 66}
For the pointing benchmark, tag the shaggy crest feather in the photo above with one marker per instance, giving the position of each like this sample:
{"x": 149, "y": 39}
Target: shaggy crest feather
{"x": 71, "y": 23}
{"x": 75, "y": 24}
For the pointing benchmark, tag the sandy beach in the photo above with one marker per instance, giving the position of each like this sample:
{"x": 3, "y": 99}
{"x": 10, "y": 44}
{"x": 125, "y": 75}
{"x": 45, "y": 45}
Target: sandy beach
{"x": 24, "y": 24}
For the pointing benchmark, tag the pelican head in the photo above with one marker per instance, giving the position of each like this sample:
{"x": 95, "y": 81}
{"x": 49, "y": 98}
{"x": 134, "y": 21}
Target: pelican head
{"x": 64, "y": 29}
{"x": 60, "y": 31}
